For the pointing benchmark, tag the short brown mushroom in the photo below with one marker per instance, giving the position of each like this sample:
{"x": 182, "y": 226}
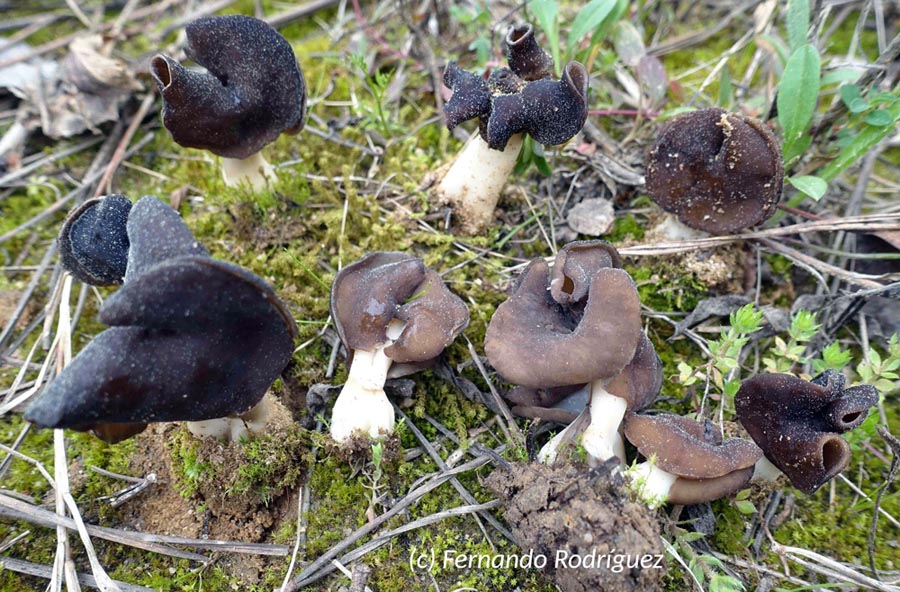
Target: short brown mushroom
{"x": 689, "y": 463}
{"x": 512, "y": 102}
{"x": 718, "y": 172}
{"x": 798, "y": 423}
{"x": 251, "y": 92}
{"x": 388, "y": 307}
{"x": 579, "y": 324}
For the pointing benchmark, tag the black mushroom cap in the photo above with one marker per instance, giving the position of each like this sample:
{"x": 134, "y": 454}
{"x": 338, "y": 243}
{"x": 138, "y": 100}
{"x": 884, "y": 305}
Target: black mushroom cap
{"x": 252, "y": 90}
{"x": 797, "y": 423}
{"x": 535, "y": 341}
{"x": 707, "y": 467}
{"x": 190, "y": 338}
{"x": 716, "y": 171}
{"x": 93, "y": 241}
{"x": 521, "y": 98}
{"x": 387, "y": 285}
{"x": 525, "y": 57}
{"x": 550, "y": 111}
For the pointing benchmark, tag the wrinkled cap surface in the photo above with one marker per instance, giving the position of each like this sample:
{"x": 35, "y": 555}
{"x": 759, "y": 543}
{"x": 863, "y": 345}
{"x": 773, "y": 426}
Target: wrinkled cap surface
{"x": 251, "y": 91}
{"x": 640, "y": 381}
{"x": 192, "y": 339}
{"x": 523, "y": 54}
{"x": 550, "y": 111}
{"x": 471, "y": 96}
{"x": 386, "y": 285}
{"x": 575, "y": 265}
{"x": 534, "y": 341}
{"x": 93, "y": 241}
{"x": 716, "y": 171}
{"x": 797, "y": 423}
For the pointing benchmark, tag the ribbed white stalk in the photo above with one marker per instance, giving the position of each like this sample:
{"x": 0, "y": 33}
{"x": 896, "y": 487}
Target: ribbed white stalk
{"x": 601, "y": 438}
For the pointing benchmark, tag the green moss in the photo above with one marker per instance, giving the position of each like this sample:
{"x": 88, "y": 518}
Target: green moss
{"x": 188, "y": 468}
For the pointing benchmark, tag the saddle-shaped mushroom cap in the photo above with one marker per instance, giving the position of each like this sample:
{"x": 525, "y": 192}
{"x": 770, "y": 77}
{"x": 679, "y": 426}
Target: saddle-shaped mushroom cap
{"x": 471, "y": 96}
{"x": 797, "y": 422}
{"x": 704, "y": 466}
{"x": 191, "y": 338}
{"x": 575, "y": 265}
{"x": 550, "y": 111}
{"x": 252, "y": 89}
{"x": 93, "y": 241}
{"x": 525, "y": 57}
{"x": 533, "y": 341}
{"x": 716, "y": 171}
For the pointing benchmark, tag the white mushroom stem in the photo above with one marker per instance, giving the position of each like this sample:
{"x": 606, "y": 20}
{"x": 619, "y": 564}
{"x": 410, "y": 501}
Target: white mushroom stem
{"x": 237, "y": 428}
{"x": 601, "y": 438}
{"x": 651, "y": 483}
{"x": 597, "y": 425}
{"x": 671, "y": 229}
{"x": 253, "y": 170}
{"x": 362, "y": 405}
{"x": 473, "y": 183}
{"x": 764, "y": 470}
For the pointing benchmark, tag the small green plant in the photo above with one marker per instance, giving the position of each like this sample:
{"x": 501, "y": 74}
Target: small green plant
{"x": 375, "y": 114}
{"x": 592, "y": 23}
{"x": 798, "y": 92}
{"x": 374, "y": 477}
{"x": 475, "y": 17}
{"x": 705, "y": 570}
{"x": 785, "y": 355}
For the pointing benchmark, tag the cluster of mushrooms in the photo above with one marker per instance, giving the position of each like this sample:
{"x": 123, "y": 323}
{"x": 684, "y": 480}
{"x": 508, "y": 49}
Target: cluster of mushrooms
{"x": 196, "y": 339}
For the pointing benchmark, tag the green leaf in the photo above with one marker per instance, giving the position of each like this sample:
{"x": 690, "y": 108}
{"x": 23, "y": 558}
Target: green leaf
{"x": 860, "y": 145}
{"x": 545, "y": 13}
{"x": 858, "y": 105}
{"x": 797, "y": 22}
{"x": 589, "y": 17}
{"x": 797, "y": 97}
{"x": 745, "y": 507}
{"x": 840, "y": 75}
{"x": 849, "y": 93}
{"x": 811, "y": 185}
{"x": 879, "y": 118}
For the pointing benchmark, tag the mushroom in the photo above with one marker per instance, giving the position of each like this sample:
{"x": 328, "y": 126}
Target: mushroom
{"x": 388, "y": 308}
{"x": 251, "y": 92}
{"x": 191, "y": 338}
{"x": 689, "y": 462}
{"x": 510, "y": 103}
{"x": 584, "y": 329}
{"x": 718, "y": 172}
{"x": 797, "y": 423}
{"x": 93, "y": 242}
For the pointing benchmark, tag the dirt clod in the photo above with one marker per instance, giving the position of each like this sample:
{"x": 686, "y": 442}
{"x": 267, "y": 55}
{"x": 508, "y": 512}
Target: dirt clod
{"x": 593, "y": 537}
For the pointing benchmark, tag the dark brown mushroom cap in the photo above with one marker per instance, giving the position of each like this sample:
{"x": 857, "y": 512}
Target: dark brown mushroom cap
{"x": 640, "y": 381}
{"x": 575, "y": 265}
{"x": 534, "y": 341}
{"x": 93, "y": 241}
{"x": 797, "y": 422}
{"x": 523, "y": 54}
{"x": 191, "y": 339}
{"x": 688, "y": 448}
{"x": 434, "y": 317}
{"x": 156, "y": 233}
{"x": 471, "y": 96}
{"x": 365, "y": 296}
{"x": 251, "y": 92}
{"x": 560, "y": 404}
{"x": 698, "y": 491}
{"x": 716, "y": 171}
{"x": 550, "y": 111}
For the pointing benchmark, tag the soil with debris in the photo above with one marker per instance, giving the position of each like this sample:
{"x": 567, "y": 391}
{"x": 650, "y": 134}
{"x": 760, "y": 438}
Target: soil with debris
{"x": 574, "y": 515}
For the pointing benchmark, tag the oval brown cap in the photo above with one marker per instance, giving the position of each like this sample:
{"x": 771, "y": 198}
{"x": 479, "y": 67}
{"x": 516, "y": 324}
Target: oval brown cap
{"x": 688, "y": 448}
{"x": 525, "y": 57}
{"x": 698, "y": 491}
{"x": 251, "y": 92}
{"x": 575, "y": 265}
{"x": 797, "y": 422}
{"x": 93, "y": 241}
{"x": 434, "y": 317}
{"x": 716, "y": 171}
{"x": 533, "y": 341}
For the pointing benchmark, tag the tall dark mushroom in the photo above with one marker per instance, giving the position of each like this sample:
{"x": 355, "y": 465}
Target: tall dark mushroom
{"x": 798, "y": 423}
{"x": 191, "y": 338}
{"x": 252, "y": 91}
{"x": 512, "y": 102}
{"x": 388, "y": 307}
